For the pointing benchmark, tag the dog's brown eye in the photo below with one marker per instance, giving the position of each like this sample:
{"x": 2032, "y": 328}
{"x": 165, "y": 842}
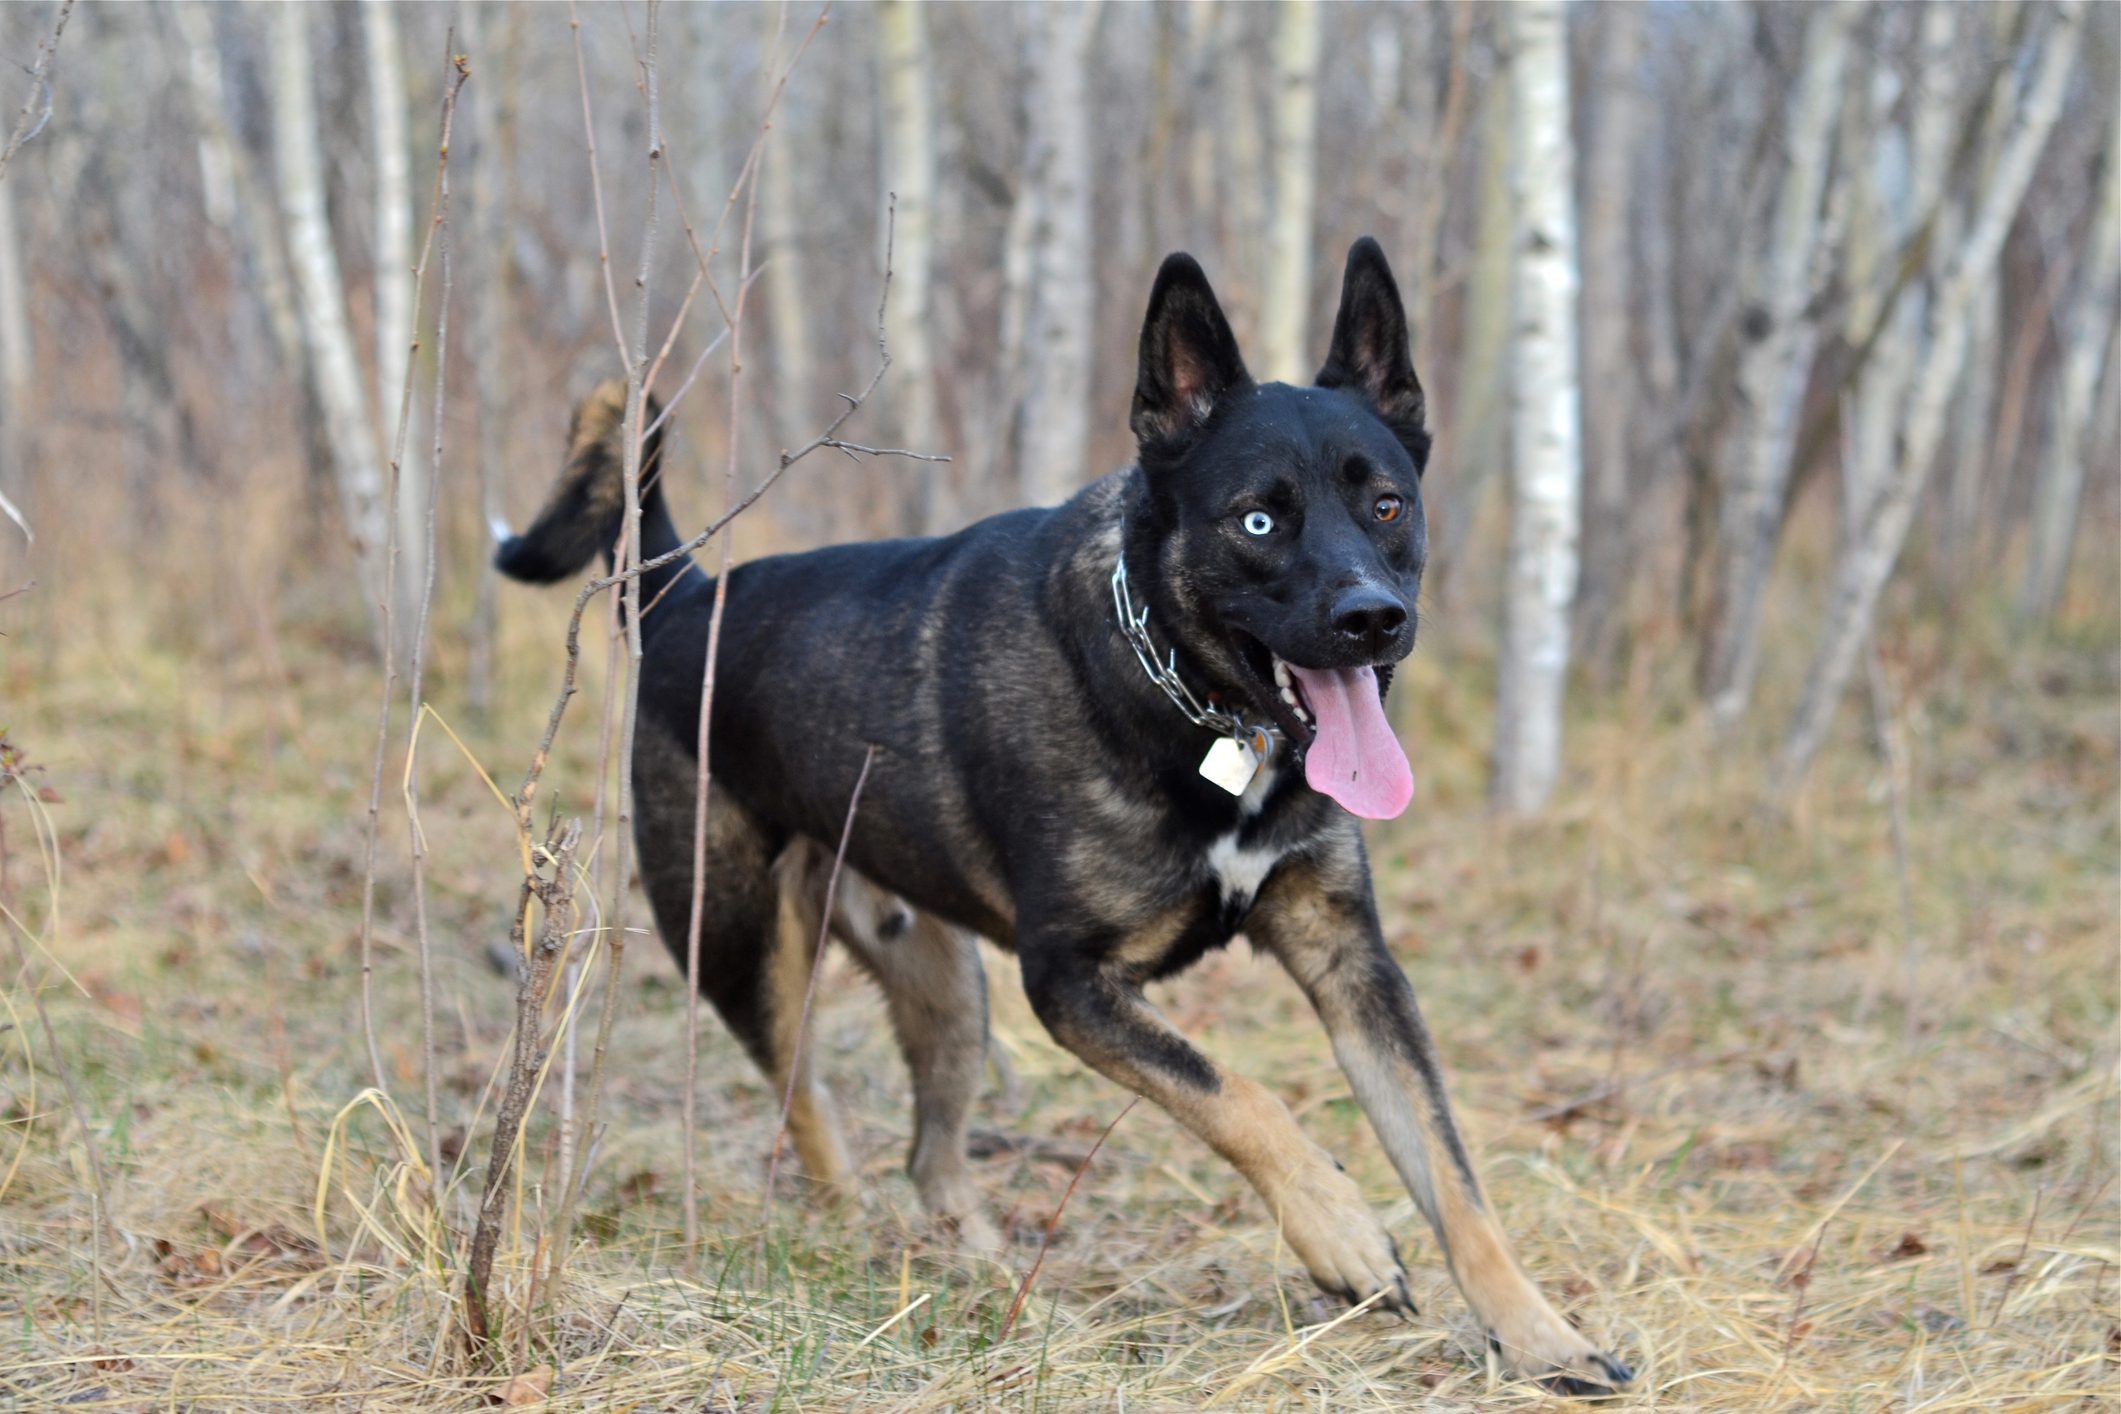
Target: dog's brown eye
{"x": 1389, "y": 507}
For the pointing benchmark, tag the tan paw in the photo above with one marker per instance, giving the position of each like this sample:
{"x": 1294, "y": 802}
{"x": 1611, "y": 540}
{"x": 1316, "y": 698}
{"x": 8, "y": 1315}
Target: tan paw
{"x": 1335, "y": 1235}
{"x": 1535, "y": 1343}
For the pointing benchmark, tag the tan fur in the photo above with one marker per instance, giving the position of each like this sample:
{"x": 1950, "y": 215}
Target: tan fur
{"x": 936, "y": 993}
{"x": 1307, "y": 924}
{"x": 811, "y": 1122}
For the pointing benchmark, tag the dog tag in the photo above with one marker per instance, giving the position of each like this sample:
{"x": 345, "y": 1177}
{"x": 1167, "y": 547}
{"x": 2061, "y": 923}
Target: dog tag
{"x": 1231, "y": 764}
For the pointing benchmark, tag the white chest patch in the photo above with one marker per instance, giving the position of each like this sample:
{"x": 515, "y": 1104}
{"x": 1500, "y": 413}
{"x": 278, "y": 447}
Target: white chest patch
{"x": 1240, "y": 871}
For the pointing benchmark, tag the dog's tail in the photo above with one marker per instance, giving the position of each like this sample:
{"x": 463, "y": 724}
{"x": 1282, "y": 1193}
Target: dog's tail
{"x": 587, "y": 507}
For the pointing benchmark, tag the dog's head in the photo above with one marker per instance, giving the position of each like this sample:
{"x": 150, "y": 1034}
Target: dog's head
{"x": 1288, "y": 523}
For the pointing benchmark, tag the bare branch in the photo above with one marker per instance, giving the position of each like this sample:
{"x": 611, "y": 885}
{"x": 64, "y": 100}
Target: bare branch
{"x": 32, "y": 119}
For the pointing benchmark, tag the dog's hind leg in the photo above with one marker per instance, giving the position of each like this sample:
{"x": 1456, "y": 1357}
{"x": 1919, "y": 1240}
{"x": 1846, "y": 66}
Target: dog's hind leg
{"x": 1318, "y": 918}
{"x": 937, "y": 993}
{"x": 757, "y": 938}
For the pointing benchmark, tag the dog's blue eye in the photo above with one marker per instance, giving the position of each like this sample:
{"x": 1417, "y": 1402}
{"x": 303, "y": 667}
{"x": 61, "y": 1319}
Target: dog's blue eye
{"x": 1258, "y": 523}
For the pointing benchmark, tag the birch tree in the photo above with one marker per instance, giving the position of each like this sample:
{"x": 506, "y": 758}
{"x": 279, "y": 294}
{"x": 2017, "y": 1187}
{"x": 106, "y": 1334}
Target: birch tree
{"x": 909, "y": 174}
{"x": 2087, "y": 350}
{"x": 393, "y": 284}
{"x": 1054, "y": 447}
{"x": 252, "y": 206}
{"x": 1546, "y": 463}
{"x": 335, "y": 368}
{"x": 1780, "y": 331}
{"x": 1286, "y": 299}
{"x": 1873, "y": 547}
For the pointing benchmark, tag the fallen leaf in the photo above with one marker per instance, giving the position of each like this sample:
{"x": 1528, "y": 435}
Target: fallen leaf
{"x": 528, "y": 1388}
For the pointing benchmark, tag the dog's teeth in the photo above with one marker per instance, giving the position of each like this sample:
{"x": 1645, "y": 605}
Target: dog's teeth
{"x": 1288, "y": 695}
{"x": 1281, "y": 674}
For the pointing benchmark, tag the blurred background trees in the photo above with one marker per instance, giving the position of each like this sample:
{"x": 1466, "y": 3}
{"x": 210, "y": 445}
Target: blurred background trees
{"x": 1794, "y": 324}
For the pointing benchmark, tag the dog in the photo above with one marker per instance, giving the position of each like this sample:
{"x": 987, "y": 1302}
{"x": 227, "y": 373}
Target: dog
{"x": 1108, "y": 735}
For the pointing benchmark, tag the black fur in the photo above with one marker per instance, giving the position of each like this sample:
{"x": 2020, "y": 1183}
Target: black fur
{"x": 1029, "y": 783}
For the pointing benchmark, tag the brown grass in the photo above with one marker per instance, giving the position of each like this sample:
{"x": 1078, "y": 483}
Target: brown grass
{"x": 1675, "y": 1021}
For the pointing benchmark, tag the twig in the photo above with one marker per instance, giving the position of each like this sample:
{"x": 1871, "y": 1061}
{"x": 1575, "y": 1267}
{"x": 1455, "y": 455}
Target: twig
{"x": 635, "y": 355}
{"x": 30, "y": 122}
{"x": 437, "y": 230}
{"x": 1023, "y": 1288}
{"x": 390, "y": 670}
{"x": 817, "y": 965}
{"x": 701, "y": 748}
{"x": 555, "y": 932}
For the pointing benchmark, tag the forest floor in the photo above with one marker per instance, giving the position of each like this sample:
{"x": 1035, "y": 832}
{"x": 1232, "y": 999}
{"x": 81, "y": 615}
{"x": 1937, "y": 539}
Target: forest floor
{"x": 1785, "y": 1121}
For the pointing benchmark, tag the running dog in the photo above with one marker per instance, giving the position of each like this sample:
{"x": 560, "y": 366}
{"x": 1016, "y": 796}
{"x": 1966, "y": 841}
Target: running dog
{"x": 1108, "y": 735}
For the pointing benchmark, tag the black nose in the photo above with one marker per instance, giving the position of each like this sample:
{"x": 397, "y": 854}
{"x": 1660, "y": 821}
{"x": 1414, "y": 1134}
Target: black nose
{"x": 1369, "y": 616}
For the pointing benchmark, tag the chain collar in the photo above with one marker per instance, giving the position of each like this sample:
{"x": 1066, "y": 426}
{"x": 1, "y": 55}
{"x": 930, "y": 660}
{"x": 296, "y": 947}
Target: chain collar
{"x": 1163, "y": 671}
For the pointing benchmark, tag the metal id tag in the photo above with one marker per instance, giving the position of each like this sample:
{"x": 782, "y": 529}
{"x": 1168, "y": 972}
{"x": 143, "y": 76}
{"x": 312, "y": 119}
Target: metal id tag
{"x": 1231, "y": 764}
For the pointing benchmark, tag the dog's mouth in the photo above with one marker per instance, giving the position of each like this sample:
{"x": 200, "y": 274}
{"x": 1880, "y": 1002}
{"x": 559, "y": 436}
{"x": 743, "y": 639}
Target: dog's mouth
{"x": 1335, "y": 718}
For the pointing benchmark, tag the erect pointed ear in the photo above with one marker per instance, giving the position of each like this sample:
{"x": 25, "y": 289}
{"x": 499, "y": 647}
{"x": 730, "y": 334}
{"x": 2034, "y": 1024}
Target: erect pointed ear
{"x": 1189, "y": 358}
{"x": 1371, "y": 355}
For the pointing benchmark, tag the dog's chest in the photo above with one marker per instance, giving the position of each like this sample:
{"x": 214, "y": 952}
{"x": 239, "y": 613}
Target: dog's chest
{"x": 1239, "y": 861}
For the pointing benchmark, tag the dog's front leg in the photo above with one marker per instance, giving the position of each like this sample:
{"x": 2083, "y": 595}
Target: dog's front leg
{"x": 1094, "y": 1010}
{"x": 1319, "y": 919}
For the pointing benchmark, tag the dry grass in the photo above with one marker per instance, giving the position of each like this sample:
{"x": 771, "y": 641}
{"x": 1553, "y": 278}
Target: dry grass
{"x": 1676, "y": 1023}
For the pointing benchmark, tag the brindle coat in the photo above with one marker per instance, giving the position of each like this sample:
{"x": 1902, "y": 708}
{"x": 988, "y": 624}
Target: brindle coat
{"x": 1030, "y": 785}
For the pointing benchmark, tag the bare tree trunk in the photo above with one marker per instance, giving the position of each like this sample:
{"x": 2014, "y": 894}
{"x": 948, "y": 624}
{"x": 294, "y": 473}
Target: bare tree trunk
{"x": 1546, "y": 467}
{"x": 333, "y": 364}
{"x": 1286, "y": 300}
{"x": 1874, "y": 547}
{"x": 1479, "y": 439}
{"x": 1244, "y": 174}
{"x": 2090, "y": 342}
{"x": 210, "y": 110}
{"x": 909, "y": 173}
{"x": 787, "y": 298}
{"x": 1204, "y": 52}
{"x": 1780, "y": 330}
{"x": 1607, "y": 304}
{"x": 1054, "y": 449}
{"x": 393, "y": 283}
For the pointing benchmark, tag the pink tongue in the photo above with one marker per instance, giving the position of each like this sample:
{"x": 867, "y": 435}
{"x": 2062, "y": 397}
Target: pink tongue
{"x": 1355, "y": 758}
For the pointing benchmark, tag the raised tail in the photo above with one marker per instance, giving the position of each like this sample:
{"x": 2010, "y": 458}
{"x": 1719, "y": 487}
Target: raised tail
{"x": 587, "y": 507}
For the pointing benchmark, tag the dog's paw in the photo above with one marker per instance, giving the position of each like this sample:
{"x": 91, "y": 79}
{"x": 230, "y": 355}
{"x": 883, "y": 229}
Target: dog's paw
{"x": 1346, "y": 1249}
{"x": 1538, "y": 1345}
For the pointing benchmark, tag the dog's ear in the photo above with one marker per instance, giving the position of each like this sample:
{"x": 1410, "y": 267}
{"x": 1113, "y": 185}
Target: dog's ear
{"x": 1189, "y": 358}
{"x": 1372, "y": 354}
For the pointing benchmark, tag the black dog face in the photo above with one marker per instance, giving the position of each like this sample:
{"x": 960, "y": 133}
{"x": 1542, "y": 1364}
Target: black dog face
{"x": 1291, "y": 539}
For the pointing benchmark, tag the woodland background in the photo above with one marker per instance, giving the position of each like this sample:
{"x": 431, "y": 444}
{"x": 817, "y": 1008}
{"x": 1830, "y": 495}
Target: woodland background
{"x": 1761, "y": 883}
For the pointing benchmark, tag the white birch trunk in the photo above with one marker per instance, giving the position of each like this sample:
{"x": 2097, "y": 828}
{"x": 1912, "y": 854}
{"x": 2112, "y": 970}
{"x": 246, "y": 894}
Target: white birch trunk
{"x": 909, "y": 172}
{"x": 393, "y": 285}
{"x": 1287, "y": 288}
{"x": 1054, "y": 448}
{"x": 2091, "y": 325}
{"x": 1874, "y": 547}
{"x": 1546, "y": 466}
{"x": 1774, "y": 364}
{"x": 15, "y": 362}
{"x": 335, "y": 368}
